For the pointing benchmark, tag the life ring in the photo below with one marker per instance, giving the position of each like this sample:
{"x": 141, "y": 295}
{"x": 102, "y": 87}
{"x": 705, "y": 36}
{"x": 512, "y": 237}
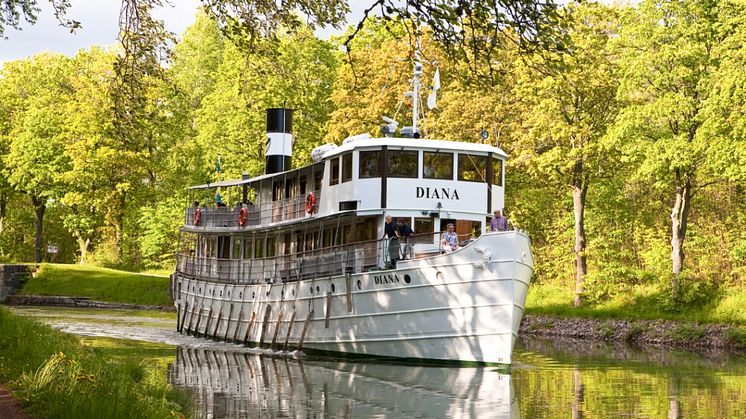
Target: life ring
{"x": 197, "y": 216}
{"x": 243, "y": 216}
{"x": 310, "y": 203}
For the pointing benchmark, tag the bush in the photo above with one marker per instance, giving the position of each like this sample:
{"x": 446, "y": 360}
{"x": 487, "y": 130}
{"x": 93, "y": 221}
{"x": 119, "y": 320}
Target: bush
{"x": 607, "y": 283}
{"x": 690, "y": 293}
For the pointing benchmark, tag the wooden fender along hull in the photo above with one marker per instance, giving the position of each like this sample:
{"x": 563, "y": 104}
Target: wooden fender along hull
{"x": 465, "y": 306}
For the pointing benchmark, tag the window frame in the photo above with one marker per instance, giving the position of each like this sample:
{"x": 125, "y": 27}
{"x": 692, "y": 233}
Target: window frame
{"x": 435, "y": 153}
{"x": 376, "y": 154}
{"x": 334, "y": 171}
{"x": 346, "y": 174}
{"x": 471, "y": 157}
{"x": 414, "y": 175}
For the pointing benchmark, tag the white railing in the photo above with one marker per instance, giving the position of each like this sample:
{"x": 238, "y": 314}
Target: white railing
{"x": 257, "y": 215}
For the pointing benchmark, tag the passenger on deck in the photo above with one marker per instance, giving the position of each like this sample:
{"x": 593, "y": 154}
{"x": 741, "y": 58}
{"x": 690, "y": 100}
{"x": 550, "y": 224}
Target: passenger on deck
{"x": 405, "y": 231}
{"x": 449, "y": 240}
{"x": 390, "y": 231}
{"x": 499, "y": 223}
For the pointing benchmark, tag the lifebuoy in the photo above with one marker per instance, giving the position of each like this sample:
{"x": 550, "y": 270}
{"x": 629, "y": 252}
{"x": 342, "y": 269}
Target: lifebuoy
{"x": 197, "y": 216}
{"x": 310, "y": 203}
{"x": 243, "y": 216}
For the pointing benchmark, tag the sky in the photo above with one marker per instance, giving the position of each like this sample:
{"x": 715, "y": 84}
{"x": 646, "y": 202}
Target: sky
{"x": 100, "y": 24}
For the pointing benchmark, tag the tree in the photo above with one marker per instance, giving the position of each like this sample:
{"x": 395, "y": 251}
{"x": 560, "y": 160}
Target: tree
{"x": 669, "y": 57}
{"x": 36, "y": 154}
{"x": 568, "y": 104}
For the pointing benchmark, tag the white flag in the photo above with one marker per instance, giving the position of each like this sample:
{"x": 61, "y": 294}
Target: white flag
{"x": 434, "y": 89}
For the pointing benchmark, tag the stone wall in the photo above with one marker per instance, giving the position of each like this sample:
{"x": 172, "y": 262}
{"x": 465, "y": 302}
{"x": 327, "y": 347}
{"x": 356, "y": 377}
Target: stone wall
{"x": 12, "y": 278}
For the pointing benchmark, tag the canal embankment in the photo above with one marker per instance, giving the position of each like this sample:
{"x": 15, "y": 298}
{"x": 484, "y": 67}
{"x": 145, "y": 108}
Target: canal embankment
{"x": 664, "y": 333}
{"x": 52, "y": 374}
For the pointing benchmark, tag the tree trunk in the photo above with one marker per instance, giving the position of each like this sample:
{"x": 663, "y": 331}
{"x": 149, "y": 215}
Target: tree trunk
{"x": 679, "y": 219}
{"x": 83, "y": 246}
{"x": 39, "y": 209}
{"x": 119, "y": 226}
{"x": 579, "y": 191}
{"x": 3, "y": 208}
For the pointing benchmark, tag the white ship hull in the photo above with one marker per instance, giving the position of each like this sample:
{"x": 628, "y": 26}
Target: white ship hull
{"x": 465, "y": 306}
{"x": 230, "y": 384}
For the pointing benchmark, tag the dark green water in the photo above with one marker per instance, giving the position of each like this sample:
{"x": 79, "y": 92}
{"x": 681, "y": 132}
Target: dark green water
{"x": 549, "y": 379}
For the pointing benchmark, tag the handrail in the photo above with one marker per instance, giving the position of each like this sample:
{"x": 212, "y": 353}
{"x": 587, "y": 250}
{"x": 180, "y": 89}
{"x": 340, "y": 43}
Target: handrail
{"x": 355, "y": 257}
{"x": 257, "y": 215}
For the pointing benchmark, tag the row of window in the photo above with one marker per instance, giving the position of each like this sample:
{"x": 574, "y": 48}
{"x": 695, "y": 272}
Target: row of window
{"x": 405, "y": 164}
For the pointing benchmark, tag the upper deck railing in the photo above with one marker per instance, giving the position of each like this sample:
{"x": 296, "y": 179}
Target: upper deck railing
{"x": 257, "y": 215}
{"x": 321, "y": 263}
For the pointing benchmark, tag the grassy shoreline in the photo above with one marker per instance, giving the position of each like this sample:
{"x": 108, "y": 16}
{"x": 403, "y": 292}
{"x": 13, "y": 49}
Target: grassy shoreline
{"x": 100, "y": 284}
{"x": 54, "y": 375}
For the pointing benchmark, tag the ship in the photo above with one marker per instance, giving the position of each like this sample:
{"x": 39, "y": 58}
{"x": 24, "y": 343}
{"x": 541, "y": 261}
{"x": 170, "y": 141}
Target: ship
{"x": 302, "y": 259}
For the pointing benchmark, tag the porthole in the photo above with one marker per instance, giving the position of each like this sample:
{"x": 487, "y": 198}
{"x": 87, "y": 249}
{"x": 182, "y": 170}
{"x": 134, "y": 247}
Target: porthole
{"x": 359, "y": 284}
{"x": 253, "y": 295}
{"x": 407, "y": 278}
{"x": 200, "y": 289}
{"x": 240, "y": 295}
{"x": 317, "y": 289}
{"x": 292, "y": 292}
{"x": 333, "y": 288}
{"x": 229, "y": 294}
{"x": 310, "y": 290}
{"x": 282, "y": 294}
{"x": 439, "y": 276}
{"x": 221, "y": 293}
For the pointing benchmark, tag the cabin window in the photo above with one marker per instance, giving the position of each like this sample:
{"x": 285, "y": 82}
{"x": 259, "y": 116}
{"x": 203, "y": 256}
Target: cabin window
{"x": 303, "y": 185}
{"x": 289, "y": 188}
{"x": 286, "y": 243}
{"x": 369, "y": 164}
{"x": 437, "y": 165}
{"x": 346, "y": 231}
{"x": 423, "y": 225}
{"x": 497, "y": 172}
{"x": 271, "y": 246}
{"x": 366, "y": 229}
{"x": 347, "y": 167}
{"x": 237, "y": 248}
{"x": 276, "y": 191}
{"x": 471, "y": 168}
{"x": 318, "y": 176}
{"x": 334, "y": 171}
{"x": 403, "y": 164}
{"x": 258, "y": 248}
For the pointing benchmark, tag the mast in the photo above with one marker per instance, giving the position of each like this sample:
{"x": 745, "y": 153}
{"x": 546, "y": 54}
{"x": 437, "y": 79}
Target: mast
{"x": 416, "y": 94}
{"x": 416, "y": 87}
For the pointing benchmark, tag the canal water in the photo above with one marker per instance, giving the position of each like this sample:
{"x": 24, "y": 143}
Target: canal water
{"x": 549, "y": 378}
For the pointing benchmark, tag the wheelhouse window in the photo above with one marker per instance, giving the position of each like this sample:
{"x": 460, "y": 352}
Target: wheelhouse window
{"x": 369, "y": 164}
{"x": 403, "y": 164}
{"x": 437, "y": 165}
{"x": 497, "y": 172}
{"x": 347, "y": 167}
{"x": 334, "y": 171}
{"x": 472, "y": 167}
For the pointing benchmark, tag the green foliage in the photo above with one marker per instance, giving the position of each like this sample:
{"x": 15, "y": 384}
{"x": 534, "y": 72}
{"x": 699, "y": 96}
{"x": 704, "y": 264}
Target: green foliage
{"x": 160, "y": 224}
{"x": 690, "y": 294}
{"x": 99, "y": 284}
{"x": 57, "y": 377}
{"x": 687, "y": 333}
{"x": 736, "y": 337}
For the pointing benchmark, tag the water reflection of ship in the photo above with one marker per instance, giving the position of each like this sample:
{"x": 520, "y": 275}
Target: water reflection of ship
{"x": 241, "y": 385}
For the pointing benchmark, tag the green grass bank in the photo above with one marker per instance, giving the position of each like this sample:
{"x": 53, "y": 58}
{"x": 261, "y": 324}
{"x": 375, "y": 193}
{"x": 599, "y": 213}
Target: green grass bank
{"x": 726, "y": 305}
{"x": 56, "y": 376}
{"x": 99, "y": 284}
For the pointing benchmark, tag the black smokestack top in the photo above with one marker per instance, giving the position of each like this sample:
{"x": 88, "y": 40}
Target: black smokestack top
{"x": 279, "y": 140}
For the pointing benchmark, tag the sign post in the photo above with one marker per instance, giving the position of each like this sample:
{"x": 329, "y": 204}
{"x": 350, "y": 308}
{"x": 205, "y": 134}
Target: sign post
{"x": 52, "y": 250}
